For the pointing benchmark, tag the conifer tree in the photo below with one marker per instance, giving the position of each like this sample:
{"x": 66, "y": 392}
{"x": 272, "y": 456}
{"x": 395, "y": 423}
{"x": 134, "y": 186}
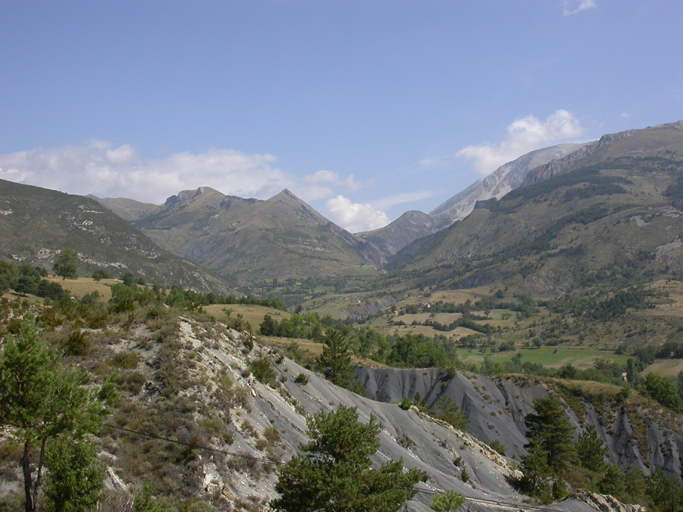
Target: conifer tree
{"x": 76, "y": 478}
{"x": 591, "y": 450}
{"x": 551, "y": 427}
{"x": 538, "y": 474}
{"x": 335, "y": 474}
{"x": 335, "y": 361}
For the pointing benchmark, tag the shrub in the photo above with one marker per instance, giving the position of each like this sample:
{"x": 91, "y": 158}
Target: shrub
{"x": 77, "y": 343}
{"x": 262, "y": 369}
{"x": 272, "y": 435}
{"x": 301, "y": 379}
{"x": 498, "y": 446}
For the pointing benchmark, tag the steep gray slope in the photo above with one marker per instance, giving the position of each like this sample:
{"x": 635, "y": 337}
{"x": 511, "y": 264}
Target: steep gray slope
{"x": 501, "y": 181}
{"x": 664, "y": 140}
{"x": 496, "y": 407}
{"x": 215, "y": 361}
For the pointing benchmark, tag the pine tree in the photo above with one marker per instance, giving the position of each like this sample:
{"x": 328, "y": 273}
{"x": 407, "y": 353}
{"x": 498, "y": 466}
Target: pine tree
{"x": 591, "y": 450}
{"x": 335, "y": 474}
{"x": 76, "y": 478}
{"x": 537, "y": 479}
{"x": 335, "y": 361}
{"x": 551, "y": 427}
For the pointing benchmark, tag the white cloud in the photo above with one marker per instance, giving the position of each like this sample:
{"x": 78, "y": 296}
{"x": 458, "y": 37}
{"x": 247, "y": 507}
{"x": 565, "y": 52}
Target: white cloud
{"x": 354, "y": 217}
{"x": 104, "y": 170}
{"x": 333, "y": 179}
{"x": 524, "y": 135}
{"x": 576, "y": 6}
{"x": 323, "y": 184}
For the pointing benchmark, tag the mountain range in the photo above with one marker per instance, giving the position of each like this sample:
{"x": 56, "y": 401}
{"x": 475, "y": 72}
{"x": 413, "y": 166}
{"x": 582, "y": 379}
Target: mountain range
{"x": 609, "y": 209}
{"x": 542, "y": 222}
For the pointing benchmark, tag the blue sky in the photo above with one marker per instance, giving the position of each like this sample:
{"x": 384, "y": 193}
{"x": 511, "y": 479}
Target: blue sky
{"x": 365, "y": 109}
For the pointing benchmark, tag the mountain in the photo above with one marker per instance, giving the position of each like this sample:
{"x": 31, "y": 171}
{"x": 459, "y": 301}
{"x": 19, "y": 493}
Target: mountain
{"x": 253, "y": 241}
{"x": 127, "y": 209}
{"x": 36, "y": 223}
{"x": 653, "y": 142}
{"x": 407, "y": 228}
{"x": 504, "y": 179}
{"x": 609, "y": 212}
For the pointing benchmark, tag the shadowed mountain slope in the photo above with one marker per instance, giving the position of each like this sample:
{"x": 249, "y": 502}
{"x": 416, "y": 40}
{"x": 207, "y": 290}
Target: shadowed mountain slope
{"x": 127, "y": 209}
{"x": 36, "y": 223}
{"x": 407, "y": 228}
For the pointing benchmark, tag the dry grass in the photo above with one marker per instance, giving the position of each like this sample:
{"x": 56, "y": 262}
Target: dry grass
{"x": 666, "y": 367}
{"x": 85, "y": 285}
{"x": 251, "y": 313}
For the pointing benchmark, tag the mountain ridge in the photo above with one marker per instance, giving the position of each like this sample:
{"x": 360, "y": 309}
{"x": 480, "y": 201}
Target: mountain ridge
{"x": 37, "y": 223}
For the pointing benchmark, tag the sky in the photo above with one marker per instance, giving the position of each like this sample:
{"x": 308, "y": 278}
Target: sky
{"x": 363, "y": 109}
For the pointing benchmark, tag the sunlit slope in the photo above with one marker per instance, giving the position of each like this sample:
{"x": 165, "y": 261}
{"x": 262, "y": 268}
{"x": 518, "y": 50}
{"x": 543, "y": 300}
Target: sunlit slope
{"x": 254, "y": 241}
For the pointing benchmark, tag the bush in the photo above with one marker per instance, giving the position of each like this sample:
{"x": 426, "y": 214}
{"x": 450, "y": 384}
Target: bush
{"x": 262, "y": 370}
{"x": 498, "y": 446}
{"x": 77, "y": 343}
{"x": 301, "y": 379}
{"x": 406, "y": 404}
{"x": 447, "y": 502}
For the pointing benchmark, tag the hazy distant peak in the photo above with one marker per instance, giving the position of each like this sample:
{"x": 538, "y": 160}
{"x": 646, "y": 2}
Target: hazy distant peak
{"x": 185, "y": 195}
{"x": 504, "y": 179}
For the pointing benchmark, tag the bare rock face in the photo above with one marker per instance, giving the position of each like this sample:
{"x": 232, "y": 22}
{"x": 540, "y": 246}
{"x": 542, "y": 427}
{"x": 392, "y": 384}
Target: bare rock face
{"x": 504, "y": 179}
{"x": 636, "y": 432}
{"x": 660, "y": 140}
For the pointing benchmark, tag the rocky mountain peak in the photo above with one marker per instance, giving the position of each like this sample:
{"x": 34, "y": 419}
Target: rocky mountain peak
{"x": 185, "y": 195}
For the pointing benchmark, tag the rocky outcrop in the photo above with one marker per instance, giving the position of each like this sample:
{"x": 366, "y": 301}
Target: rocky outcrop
{"x": 659, "y": 140}
{"x": 215, "y": 363}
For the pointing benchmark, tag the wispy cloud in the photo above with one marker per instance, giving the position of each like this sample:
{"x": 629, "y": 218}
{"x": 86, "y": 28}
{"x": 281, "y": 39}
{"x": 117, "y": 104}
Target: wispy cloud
{"x": 325, "y": 184}
{"x": 523, "y": 135}
{"x": 576, "y": 6}
{"x": 354, "y": 217}
{"x": 410, "y": 197}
